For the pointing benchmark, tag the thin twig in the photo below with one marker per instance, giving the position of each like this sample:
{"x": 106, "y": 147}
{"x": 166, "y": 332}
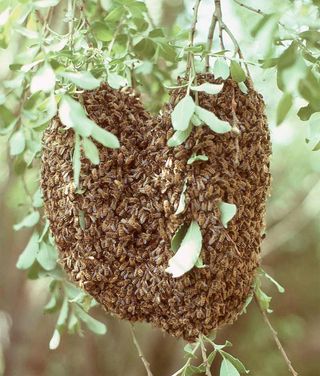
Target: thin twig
{"x": 276, "y": 338}
{"x": 192, "y": 33}
{"x": 210, "y": 38}
{"x": 141, "y": 356}
{"x": 220, "y": 23}
{"x": 204, "y": 357}
{"x": 237, "y": 49}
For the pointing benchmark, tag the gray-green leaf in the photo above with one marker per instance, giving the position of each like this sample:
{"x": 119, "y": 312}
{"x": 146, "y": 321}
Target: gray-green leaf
{"x": 179, "y": 137}
{"x": 182, "y": 113}
{"x": 235, "y": 362}
{"x": 105, "y": 138}
{"x": 28, "y": 256}
{"x": 73, "y": 115}
{"x": 228, "y": 369}
{"x": 29, "y": 221}
{"x": 227, "y": 212}
{"x": 221, "y": 69}
{"x": 90, "y": 150}
{"x": 196, "y": 158}
{"x": 47, "y": 256}
{"x": 208, "y": 88}
{"x": 84, "y": 80}
{"x": 209, "y": 118}
{"x": 17, "y": 143}
{"x": 92, "y": 324}
{"x": 43, "y": 80}
{"x": 188, "y": 252}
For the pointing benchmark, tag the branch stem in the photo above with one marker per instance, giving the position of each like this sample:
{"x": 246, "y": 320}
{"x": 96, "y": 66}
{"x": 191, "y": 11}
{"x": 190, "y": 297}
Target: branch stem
{"x": 276, "y": 338}
{"x": 192, "y": 33}
{"x": 212, "y": 27}
{"x": 141, "y": 356}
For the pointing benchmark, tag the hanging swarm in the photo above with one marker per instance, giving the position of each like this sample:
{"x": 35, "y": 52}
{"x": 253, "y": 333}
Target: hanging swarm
{"x": 114, "y": 237}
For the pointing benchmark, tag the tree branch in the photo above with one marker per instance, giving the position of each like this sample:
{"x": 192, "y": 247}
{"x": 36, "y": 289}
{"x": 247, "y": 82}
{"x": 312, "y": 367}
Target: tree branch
{"x": 141, "y": 356}
{"x": 276, "y": 338}
{"x": 210, "y": 38}
{"x": 192, "y": 33}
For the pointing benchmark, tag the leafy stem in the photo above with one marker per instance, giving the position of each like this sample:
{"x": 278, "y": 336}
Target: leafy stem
{"x": 275, "y": 337}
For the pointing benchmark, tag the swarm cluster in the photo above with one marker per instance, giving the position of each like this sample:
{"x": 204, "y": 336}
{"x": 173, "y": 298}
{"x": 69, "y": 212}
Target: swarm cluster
{"x": 114, "y": 236}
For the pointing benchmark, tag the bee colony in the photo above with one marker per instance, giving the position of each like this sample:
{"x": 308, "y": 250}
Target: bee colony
{"x": 120, "y": 253}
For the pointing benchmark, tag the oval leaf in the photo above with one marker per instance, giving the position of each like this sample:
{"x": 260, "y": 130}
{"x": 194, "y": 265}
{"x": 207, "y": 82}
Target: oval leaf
{"x": 179, "y": 137}
{"x": 17, "y": 143}
{"x": 91, "y": 151}
{"x": 182, "y": 113}
{"x": 208, "y": 88}
{"x": 196, "y": 158}
{"x": 84, "y": 80}
{"x": 28, "y": 256}
{"x": 237, "y": 73}
{"x": 43, "y": 80}
{"x": 228, "y": 369}
{"x": 29, "y": 221}
{"x": 73, "y": 115}
{"x": 215, "y": 124}
{"x": 227, "y": 212}
{"x": 188, "y": 252}
{"x": 104, "y": 137}
{"x": 221, "y": 69}
{"x": 283, "y": 107}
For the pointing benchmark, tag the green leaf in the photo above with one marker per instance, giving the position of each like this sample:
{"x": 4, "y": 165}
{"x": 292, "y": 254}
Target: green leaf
{"x": 227, "y": 212}
{"x": 280, "y": 288}
{"x": 63, "y": 315}
{"x": 188, "y": 252}
{"x": 45, "y": 3}
{"x": 17, "y": 143}
{"x": 208, "y": 88}
{"x": 43, "y": 80}
{"x": 73, "y": 115}
{"x": 221, "y": 69}
{"x": 114, "y": 15}
{"x": 288, "y": 57}
{"x": 263, "y": 298}
{"x": 104, "y": 137}
{"x": 199, "y": 263}
{"x": 145, "y": 49}
{"x": 283, "y": 107}
{"x": 116, "y": 81}
{"x": 196, "y": 121}
{"x": 55, "y": 340}
{"x": 102, "y": 32}
{"x": 228, "y": 369}
{"x": 182, "y": 200}
{"x": 196, "y": 158}
{"x": 210, "y": 119}
{"x": 76, "y": 161}
{"x": 29, "y": 221}
{"x": 243, "y": 87}
{"x": 259, "y": 25}
{"x": 179, "y": 137}
{"x": 90, "y": 151}
{"x": 47, "y": 256}
{"x": 314, "y": 127}
{"x": 236, "y": 71}
{"x": 28, "y": 256}
{"x": 84, "y": 80}
{"x": 235, "y": 362}
{"x": 182, "y": 113}
{"x": 92, "y": 324}
{"x": 178, "y": 237}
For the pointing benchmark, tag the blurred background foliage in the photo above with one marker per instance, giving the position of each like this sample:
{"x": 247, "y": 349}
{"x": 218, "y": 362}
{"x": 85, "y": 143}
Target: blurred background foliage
{"x": 291, "y": 250}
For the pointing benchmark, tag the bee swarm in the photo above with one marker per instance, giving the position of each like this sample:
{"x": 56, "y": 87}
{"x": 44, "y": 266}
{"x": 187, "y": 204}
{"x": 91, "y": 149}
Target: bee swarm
{"x": 127, "y": 203}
